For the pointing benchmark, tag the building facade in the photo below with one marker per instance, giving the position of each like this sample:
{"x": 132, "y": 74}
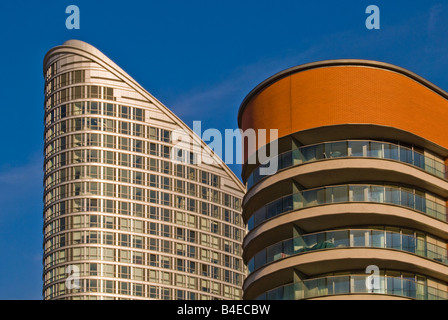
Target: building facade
{"x": 123, "y": 218}
{"x": 357, "y": 207}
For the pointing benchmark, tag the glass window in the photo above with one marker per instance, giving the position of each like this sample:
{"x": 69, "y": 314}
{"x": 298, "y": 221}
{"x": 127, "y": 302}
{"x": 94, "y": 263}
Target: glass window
{"x": 109, "y": 286}
{"x": 108, "y": 255}
{"x": 108, "y": 222}
{"x": 393, "y": 195}
{"x": 125, "y": 127}
{"x": 406, "y": 155}
{"x": 390, "y": 151}
{"x": 109, "y": 93}
{"x": 138, "y": 289}
{"x": 63, "y": 111}
{"x": 204, "y": 177}
{"x": 94, "y": 107}
{"x": 138, "y": 130}
{"x": 109, "y": 125}
{"x": 166, "y": 167}
{"x": 138, "y": 146}
{"x": 124, "y": 112}
{"x": 94, "y": 92}
{"x": 358, "y": 148}
{"x": 393, "y": 239}
{"x": 124, "y": 143}
{"x": 320, "y": 152}
{"x": 166, "y": 135}
{"x": 407, "y": 198}
{"x": 109, "y": 109}
{"x": 377, "y": 194}
{"x": 338, "y": 194}
{"x": 309, "y": 153}
{"x": 138, "y": 114}
{"x": 375, "y": 150}
{"x": 358, "y": 193}
{"x": 336, "y": 149}
{"x": 78, "y": 76}
{"x": 419, "y": 160}
{"x": 358, "y": 238}
{"x": 153, "y": 133}
{"x": 153, "y": 149}
{"x": 339, "y": 238}
{"x": 78, "y": 92}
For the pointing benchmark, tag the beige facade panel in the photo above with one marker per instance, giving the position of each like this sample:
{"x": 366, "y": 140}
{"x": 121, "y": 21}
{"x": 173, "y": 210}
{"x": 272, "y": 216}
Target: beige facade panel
{"x": 133, "y": 222}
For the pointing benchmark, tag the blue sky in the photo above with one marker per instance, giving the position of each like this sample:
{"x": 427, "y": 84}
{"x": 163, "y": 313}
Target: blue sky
{"x": 199, "y": 58}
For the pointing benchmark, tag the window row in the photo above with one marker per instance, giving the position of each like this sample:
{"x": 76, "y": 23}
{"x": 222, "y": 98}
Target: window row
{"x": 123, "y": 192}
{"x": 77, "y": 188}
{"x": 107, "y": 157}
{"x": 354, "y": 148}
{"x": 211, "y": 267}
{"x": 139, "y": 273}
{"x": 100, "y": 124}
{"x": 186, "y": 289}
{"x": 117, "y": 159}
{"x": 64, "y": 79}
{"x": 188, "y": 219}
{"x": 108, "y": 141}
{"x": 135, "y": 177}
{"x": 147, "y": 179}
{"x": 99, "y": 108}
{"x": 109, "y": 125}
{"x": 80, "y": 92}
{"x": 388, "y": 194}
{"x": 51, "y": 70}
{"x": 143, "y": 226}
{"x": 155, "y": 244}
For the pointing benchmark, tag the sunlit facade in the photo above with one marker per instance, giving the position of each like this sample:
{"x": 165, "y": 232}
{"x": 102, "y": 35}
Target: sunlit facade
{"x": 361, "y": 184}
{"x": 121, "y": 219}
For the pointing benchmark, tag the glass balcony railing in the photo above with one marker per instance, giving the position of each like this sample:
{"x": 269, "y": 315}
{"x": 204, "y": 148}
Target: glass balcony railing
{"x": 355, "y": 284}
{"x": 353, "y": 148}
{"x": 366, "y": 238}
{"x": 404, "y": 197}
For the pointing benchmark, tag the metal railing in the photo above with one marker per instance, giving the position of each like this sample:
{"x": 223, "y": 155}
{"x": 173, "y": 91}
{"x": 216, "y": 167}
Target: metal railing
{"x": 348, "y": 238}
{"x": 352, "y": 148}
{"x": 398, "y": 196}
{"x": 354, "y": 284}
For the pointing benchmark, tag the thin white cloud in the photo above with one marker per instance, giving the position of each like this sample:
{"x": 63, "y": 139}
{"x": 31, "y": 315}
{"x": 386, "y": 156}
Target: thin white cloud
{"x": 434, "y": 16}
{"x": 20, "y": 184}
{"x": 245, "y": 78}
{"x": 27, "y": 174}
{"x": 235, "y": 86}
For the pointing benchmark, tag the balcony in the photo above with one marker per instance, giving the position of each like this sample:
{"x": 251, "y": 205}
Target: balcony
{"x": 352, "y": 149}
{"x": 355, "y": 285}
{"x": 348, "y": 238}
{"x": 349, "y": 193}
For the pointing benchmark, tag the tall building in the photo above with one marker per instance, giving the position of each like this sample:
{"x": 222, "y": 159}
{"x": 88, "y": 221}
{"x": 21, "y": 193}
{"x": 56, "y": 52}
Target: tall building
{"x": 122, "y": 218}
{"x": 358, "y": 206}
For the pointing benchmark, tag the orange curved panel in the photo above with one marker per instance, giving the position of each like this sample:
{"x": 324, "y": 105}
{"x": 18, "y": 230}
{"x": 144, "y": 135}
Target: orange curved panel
{"x": 337, "y": 95}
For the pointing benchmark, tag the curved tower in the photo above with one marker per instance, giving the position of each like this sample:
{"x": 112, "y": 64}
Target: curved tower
{"x": 123, "y": 219}
{"x": 357, "y": 207}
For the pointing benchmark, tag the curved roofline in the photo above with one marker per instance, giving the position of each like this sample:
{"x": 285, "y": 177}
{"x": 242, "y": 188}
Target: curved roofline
{"x": 90, "y": 52}
{"x": 332, "y": 63}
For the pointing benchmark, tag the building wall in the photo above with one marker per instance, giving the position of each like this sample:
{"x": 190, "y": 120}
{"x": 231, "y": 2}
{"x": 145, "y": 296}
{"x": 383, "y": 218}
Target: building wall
{"x": 136, "y": 224}
{"x": 351, "y": 133}
{"x": 347, "y": 94}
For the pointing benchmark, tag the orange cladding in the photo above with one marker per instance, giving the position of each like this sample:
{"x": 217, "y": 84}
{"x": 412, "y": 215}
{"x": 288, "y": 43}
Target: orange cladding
{"x": 348, "y": 95}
